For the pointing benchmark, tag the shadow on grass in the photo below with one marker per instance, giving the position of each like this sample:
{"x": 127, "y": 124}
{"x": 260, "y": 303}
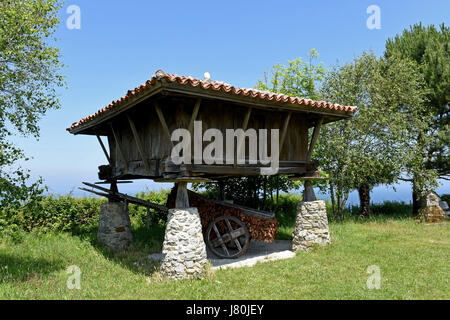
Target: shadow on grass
{"x": 25, "y": 268}
{"x": 135, "y": 258}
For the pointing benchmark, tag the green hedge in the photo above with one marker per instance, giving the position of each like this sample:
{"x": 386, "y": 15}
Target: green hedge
{"x": 54, "y": 213}
{"x": 72, "y": 214}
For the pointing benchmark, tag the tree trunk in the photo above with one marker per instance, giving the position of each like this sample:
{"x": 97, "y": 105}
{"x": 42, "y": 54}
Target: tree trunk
{"x": 333, "y": 202}
{"x": 415, "y": 199}
{"x": 278, "y": 189}
{"x": 264, "y": 192}
{"x": 364, "y": 200}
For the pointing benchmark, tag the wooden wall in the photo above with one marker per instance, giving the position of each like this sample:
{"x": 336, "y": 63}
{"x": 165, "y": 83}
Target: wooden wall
{"x": 177, "y": 113}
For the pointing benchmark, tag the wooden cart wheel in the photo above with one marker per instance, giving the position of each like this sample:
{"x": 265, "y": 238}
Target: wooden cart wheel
{"x": 227, "y": 237}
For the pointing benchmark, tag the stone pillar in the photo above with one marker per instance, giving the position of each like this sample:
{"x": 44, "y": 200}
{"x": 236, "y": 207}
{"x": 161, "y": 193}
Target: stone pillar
{"x": 114, "y": 227}
{"x": 184, "y": 250}
{"x": 430, "y": 210}
{"x": 311, "y": 226}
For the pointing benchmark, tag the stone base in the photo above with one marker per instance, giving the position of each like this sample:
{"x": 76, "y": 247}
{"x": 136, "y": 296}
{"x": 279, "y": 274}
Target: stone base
{"x": 430, "y": 210}
{"x": 184, "y": 249}
{"x": 114, "y": 227}
{"x": 311, "y": 226}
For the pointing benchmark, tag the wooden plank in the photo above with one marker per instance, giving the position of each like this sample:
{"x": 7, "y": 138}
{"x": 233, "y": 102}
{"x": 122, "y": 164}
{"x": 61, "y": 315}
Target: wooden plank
{"x": 284, "y": 132}
{"x": 163, "y": 122}
{"x": 119, "y": 147}
{"x": 314, "y": 138}
{"x": 104, "y": 149}
{"x": 138, "y": 144}
{"x": 128, "y": 198}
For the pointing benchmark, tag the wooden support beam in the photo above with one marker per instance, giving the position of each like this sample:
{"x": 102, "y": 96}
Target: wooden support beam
{"x": 193, "y": 118}
{"x": 246, "y": 119}
{"x": 194, "y": 115}
{"x": 182, "y": 199}
{"x": 138, "y": 144}
{"x": 244, "y": 127}
{"x": 119, "y": 147}
{"x": 163, "y": 122}
{"x": 314, "y": 138}
{"x": 284, "y": 132}
{"x": 104, "y": 149}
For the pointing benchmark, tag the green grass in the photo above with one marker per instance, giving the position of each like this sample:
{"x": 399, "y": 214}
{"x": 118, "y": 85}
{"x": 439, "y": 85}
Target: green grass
{"x": 413, "y": 259}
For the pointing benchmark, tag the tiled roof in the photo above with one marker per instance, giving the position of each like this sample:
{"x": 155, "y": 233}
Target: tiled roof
{"x": 207, "y": 84}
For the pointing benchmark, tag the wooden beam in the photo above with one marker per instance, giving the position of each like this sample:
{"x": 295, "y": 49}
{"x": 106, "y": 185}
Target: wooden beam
{"x": 119, "y": 147}
{"x": 182, "y": 198}
{"x": 314, "y": 138}
{"x": 194, "y": 115}
{"x": 247, "y": 118}
{"x": 163, "y": 122}
{"x": 284, "y": 132}
{"x": 138, "y": 144}
{"x": 104, "y": 149}
{"x": 240, "y": 170}
{"x": 244, "y": 127}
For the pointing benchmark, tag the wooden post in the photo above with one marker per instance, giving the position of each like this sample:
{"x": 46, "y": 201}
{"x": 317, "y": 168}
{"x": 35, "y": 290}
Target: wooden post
{"x": 221, "y": 194}
{"x": 314, "y": 138}
{"x": 182, "y": 200}
{"x": 308, "y": 193}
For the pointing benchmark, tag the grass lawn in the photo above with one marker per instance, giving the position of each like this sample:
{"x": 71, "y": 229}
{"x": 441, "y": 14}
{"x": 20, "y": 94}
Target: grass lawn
{"x": 413, "y": 259}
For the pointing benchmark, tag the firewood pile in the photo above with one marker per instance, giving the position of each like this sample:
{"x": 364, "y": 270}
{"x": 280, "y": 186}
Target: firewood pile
{"x": 260, "y": 227}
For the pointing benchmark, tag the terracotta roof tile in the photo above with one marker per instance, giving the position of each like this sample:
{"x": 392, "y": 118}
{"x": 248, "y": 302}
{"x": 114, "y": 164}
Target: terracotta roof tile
{"x": 216, "y": 86}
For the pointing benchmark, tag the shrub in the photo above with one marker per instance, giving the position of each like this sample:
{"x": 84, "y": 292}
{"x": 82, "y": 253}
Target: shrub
{"x": 446, "y": 198}
{"x": 61, "y": 213}
{"x": 139, "y": 213}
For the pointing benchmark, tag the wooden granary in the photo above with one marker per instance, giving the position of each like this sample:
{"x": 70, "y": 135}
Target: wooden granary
{"x": 139, "y": 129}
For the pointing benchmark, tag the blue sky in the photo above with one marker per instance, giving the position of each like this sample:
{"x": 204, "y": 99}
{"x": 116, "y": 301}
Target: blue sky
{"x": 122, "y": 43}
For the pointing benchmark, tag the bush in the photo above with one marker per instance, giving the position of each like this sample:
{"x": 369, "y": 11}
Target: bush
{"x": 446, "y": 198}
{"x": 139, "y": 213}
{"x": 62, "y": 213}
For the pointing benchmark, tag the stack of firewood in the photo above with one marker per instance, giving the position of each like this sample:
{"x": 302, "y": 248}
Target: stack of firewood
{"x": 259, "y": 228}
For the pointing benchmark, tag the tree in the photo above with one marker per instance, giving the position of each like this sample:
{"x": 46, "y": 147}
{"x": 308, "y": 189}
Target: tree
{"x": 430, "y": 49}
{"x": 29, "y": 67}
{"x": 297, "y": 79}
{"x": 375, "y": 146}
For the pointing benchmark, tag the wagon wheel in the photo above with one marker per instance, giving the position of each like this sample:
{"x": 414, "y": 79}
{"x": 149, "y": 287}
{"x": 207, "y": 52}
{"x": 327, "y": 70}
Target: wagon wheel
{"x": 227, "y": 237}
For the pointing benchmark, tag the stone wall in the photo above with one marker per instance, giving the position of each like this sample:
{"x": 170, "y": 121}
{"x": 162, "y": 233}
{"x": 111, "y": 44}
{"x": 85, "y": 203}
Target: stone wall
{"x": 311, "y": 226}
{"x": 184, "y": 249}
{"x": 114, "y": 227}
